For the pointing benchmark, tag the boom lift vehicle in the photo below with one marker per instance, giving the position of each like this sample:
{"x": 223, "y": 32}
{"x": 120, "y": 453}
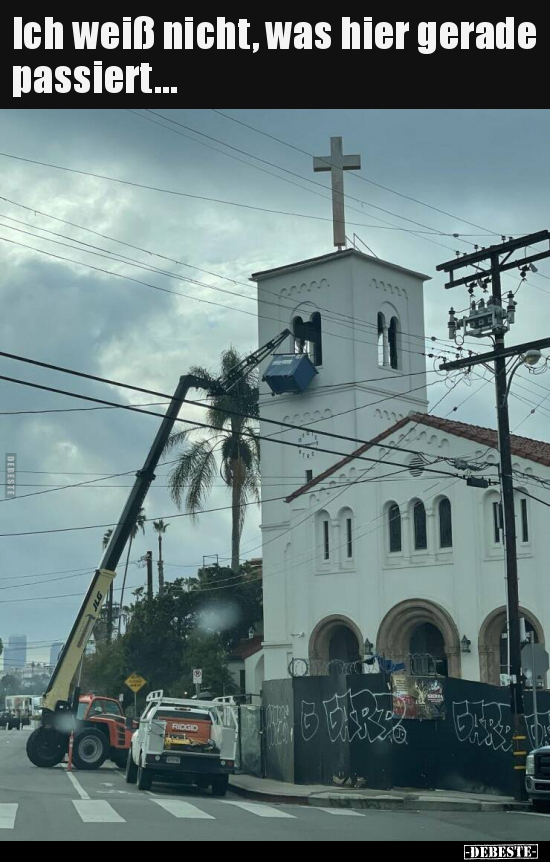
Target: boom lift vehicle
{"x": 48, "y": 744}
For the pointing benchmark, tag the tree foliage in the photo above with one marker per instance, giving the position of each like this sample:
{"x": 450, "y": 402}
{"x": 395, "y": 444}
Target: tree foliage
{"x": 231, "y": 448}
{"x": 194, "y": 623}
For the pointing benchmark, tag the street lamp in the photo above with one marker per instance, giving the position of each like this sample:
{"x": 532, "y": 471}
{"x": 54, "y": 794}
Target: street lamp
{"x": 465, "y": 644}
{"x": 368, "y": 647}
{"x": 529, "y": 358}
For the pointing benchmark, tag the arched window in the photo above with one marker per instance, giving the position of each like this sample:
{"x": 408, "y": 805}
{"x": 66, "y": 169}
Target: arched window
{"x": 381, "y": 340}
{"x": 420, "y": 530}
{"x": 392, "y": 337}
{"x": 316, "y": 339}
{"x": 522, "y": 517}
{"x": 394, "y": 525}
{"x": 323, "y": 538}
{"x": 445, "y": 524}
{"x": 345, "y": 520}
{"x": 298, "y": 333}
{"x": 308, "y": 337}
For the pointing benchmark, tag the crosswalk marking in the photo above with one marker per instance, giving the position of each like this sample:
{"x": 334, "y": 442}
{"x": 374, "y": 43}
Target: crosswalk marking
{"x": 260, "y": 810}
{"x": 8, "y": 812}
{"x": 76, "y": 784}
{"x": 346, "y": 811}
{"x": 183, "y": 809}
{"x": 97, "y": 811}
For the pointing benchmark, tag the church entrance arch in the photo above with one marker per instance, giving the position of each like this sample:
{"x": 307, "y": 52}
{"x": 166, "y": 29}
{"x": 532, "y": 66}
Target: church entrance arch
{"x": 423, "y": 635}
{"x": 335, "y": 639}
{"x": 493, "y": 643}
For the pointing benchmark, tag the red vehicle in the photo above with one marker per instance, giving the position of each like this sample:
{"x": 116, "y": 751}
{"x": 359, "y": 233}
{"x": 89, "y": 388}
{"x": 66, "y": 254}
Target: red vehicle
{"x": 101, "y": 732}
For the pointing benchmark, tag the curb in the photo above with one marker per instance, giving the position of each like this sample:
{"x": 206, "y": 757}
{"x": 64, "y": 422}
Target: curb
{"x": 385, "y": 802}
{"x": 262, "y": 796}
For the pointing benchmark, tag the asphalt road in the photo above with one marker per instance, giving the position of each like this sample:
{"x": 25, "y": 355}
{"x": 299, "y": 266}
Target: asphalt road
{"x": 54, "y": 805}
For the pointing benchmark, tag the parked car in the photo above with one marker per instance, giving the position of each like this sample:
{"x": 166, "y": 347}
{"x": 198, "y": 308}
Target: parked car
{"x": 537, "y": 778}
{"x": 9, "y": 720}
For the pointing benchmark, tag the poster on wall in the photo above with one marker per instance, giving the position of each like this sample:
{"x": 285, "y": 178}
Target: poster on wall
{"x": 417, "y": 696}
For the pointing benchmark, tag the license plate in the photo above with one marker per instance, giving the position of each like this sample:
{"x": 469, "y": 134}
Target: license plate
{"x": 173, "y": 760}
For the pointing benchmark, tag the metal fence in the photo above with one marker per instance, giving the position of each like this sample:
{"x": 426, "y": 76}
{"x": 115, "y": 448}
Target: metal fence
{"x": 414, "y": 664}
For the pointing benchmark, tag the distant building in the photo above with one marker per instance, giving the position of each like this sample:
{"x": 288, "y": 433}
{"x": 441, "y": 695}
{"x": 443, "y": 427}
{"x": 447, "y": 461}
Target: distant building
{"x": 55, "y": 651}
{"x": 32, "y": 669}
{"x": 15, "y": 654}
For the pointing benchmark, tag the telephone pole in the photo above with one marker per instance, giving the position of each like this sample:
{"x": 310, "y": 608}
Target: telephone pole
{"x": 149, "y": 564}
{"x": 493, "y": 319}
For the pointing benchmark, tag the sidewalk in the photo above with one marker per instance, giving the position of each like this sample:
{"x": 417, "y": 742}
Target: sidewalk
{"x": 267, "y": 790}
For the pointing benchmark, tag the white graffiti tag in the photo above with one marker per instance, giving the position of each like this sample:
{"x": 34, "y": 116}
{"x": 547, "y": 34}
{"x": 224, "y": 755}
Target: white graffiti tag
{"x": 481, "y": 723}
{"x": 543, "y": 724}
{"x": 279, "y": 731}
{"x": 361, "y": 715}
{"x": 309, "y": 721}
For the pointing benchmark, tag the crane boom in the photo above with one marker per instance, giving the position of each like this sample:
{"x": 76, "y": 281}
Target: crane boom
{"x": 44, "y": 748}
{"x": 56, "y": 696}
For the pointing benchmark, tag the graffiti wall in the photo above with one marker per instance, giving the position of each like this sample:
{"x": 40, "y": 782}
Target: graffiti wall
{"x": 326, "y": 730}
{"x": 278, "y": 702}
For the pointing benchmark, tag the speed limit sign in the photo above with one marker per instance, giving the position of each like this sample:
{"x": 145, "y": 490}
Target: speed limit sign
{"x": 197, "y": 676}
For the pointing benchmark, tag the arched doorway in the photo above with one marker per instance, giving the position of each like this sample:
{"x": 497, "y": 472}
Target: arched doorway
{"x": 427, "y": 649}
{"x": 337, "y": 639}
{"x": 417, "y": 623}
{"x": 343, "y": 645}
{"x": 493, "y": 643}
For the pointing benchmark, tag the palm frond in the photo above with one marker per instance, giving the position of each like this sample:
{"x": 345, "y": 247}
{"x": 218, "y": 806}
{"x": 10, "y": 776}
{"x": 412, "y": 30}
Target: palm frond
{"x": 177, "y": 439}
{"x": 193, "y": 475}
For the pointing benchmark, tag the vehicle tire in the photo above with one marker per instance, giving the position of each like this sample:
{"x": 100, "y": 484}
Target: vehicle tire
{"x": 131, "y": 769}
{"x": 541, "y": 806}
{"x": 144, "y": 778}
{"x": 90, "y": 748}
{"x": 120, "y": 757}
{"x": 219, "y": 785}
{"x": 45, "y": 747}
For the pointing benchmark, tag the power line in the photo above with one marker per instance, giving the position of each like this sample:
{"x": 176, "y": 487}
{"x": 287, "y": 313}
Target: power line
{"x": 229, "y": 412}
{"x": 191, "y": 296}
{"x": 173, "y": 192}
{"x": 339, "y": 318}
{"x": 325, "y": 503}
{"x": 431, "y": 229}
{"x": 360, "y": 176}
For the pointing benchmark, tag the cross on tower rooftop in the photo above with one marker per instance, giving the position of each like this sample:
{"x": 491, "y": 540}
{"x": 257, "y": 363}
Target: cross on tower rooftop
{"x": 337, "y": 163}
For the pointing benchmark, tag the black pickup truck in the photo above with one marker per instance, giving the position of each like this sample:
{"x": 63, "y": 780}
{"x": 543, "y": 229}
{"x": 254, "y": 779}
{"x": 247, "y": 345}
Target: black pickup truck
{"x": 537, "y": 778}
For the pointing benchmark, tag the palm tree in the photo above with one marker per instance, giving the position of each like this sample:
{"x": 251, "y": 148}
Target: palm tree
{"x": 234, "y": 438}
{"x": 139, "y": 525}
{"x": 160, "y": 527}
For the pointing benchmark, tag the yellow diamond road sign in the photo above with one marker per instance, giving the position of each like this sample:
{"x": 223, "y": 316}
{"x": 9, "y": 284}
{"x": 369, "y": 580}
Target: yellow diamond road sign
{"x": 135, "y": 682}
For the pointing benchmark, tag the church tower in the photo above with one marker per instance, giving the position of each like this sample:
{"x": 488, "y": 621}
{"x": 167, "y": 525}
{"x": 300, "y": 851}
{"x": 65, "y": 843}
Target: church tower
{"x": 360, "y": 320}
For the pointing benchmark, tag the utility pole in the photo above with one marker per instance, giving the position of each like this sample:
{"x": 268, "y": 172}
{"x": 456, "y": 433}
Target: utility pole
{"x": 149, "y": 564}
{"x": 492, "y": 319}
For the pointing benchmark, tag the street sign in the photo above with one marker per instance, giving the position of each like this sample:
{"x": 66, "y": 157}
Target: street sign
{"x": 135, "y": 682}
{"x": 197, "y": 676}
{"x": 535, "y": 659}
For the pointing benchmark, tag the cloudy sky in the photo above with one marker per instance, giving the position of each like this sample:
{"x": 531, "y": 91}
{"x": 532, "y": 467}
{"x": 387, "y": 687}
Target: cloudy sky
{"x": 489, "y": 168}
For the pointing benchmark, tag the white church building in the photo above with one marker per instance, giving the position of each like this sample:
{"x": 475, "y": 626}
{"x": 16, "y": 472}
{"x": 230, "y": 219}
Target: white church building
{"x": 380, "y": 539}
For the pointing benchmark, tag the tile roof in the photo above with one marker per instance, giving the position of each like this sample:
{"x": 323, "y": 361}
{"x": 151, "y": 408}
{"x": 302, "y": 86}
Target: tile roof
{"x": 522, "y": 447}
{"x": 246, "y": 648}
